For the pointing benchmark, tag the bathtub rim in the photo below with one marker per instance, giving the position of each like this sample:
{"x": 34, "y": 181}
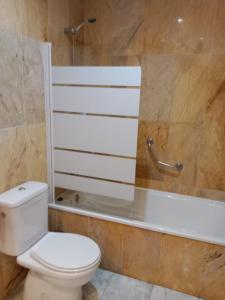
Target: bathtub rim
{"x": 145, "y": 225}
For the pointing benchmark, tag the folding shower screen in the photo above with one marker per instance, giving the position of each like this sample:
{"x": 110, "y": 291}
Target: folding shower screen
{"x": 95, "y": 125}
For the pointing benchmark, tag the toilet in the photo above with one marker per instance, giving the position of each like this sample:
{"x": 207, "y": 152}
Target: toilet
{"x": 59, "y": 263}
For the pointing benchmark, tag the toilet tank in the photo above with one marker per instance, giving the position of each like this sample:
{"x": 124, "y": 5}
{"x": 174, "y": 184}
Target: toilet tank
{"x": 23, "y": 217}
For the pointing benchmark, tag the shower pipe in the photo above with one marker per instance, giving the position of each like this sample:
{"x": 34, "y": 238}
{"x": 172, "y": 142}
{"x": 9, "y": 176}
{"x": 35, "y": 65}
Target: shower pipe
{"x": 74, "y": 30}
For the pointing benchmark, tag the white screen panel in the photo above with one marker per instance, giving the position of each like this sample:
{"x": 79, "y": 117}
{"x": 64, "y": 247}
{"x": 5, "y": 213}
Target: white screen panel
{"x": 99, "y": 166}
{"x": 99, "y": 187}
{"x": 116, "y": 136}
{"x": 117, "y": 76}
{"x": 110, "y": 101}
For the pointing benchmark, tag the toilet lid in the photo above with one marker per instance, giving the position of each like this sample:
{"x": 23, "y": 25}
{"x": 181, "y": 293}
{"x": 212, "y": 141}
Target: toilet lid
{"x": 65, "y": 252}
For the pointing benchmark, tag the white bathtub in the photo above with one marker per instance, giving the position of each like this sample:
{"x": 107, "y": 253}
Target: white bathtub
{"x": 185, "y": 216}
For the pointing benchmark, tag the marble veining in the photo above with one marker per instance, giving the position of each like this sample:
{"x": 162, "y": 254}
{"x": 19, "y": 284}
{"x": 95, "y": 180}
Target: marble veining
{"x": 11, "y": 104}
{"x": 182, "y": 264}
{"x": 106, "y": 285}
{"x": 64, "y": 14}
{"x": 180, "y": 48}
{"x": 33, "y": 82}
{"x": 22, "y": 127}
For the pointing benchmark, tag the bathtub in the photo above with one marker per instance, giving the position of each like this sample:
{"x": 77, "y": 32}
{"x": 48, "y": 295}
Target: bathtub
{"x": 185, "y": 216}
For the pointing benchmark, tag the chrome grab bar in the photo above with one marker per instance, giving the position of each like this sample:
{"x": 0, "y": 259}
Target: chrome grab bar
{"x": 177, "y": 166}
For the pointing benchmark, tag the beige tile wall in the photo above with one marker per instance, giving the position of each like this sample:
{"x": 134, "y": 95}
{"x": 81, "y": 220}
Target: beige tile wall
{"x": 22, "y": 128}
{"x": 61, "y": 14}
{"x": 28, "y": 17}
{"x": 182, "y": 107}
{"x": 183, "y": 100}
{"x": 185, "y": 265}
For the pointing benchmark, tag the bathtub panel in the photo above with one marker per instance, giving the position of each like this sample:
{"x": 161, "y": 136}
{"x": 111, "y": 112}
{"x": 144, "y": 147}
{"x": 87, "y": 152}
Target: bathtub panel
{"x": 213, "y": 274}
{"x": 109, "y": 238}
{"x": 182, "y": 264}
{"x": 143, "y": 261}
{"x": 68, "y": 222}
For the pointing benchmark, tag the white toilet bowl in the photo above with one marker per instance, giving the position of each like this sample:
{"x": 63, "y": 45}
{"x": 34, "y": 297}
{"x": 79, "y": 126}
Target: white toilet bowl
{"x": 60, "y": 264}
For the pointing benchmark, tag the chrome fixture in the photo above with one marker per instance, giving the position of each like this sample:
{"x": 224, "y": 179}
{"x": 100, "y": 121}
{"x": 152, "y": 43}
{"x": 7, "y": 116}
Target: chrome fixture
{"x": 177, "y": 166}
{"x": 75, "y": 30}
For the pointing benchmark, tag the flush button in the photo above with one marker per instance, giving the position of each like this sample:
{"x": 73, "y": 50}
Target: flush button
{"x": 22, "y": 188}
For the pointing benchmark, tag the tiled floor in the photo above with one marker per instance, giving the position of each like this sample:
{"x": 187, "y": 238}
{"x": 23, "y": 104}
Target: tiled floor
{"x": 110, "y": 286}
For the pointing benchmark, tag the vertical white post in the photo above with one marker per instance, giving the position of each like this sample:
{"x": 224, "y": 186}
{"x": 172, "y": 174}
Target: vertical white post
{"x": 47, "y": 65}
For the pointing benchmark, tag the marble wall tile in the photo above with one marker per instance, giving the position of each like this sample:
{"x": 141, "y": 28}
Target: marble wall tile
{"x": 218, "y": 25}
{"x": 34, "y": 17}
{"x": 11, "y": 102}
{"x": 108, "y": 237}
{"x": 36, "y": 152}
{"x": 212, "y": 194}
{"x": 13, "y": 149}
{"x": 180, "y": 77}
{"x": 5, "y": 260}
{"x": 28, "y": 17}
{"x": 33, "y": 82}
{"x": 181, "y": 262}
{"x": 159, "y": 73}
{"x": 123, "y": 60}
{"x": 1, "y": 280}
{"x": 213, "y": 273}
{"x": 63, "y": 55}
{"x": 10, "y": 15}
{"x": 141, "y": 253}
{"x": 67, "y": 222}
{"x": 172, "y": 145}
{"x": 98, "y": 36}
{"x": 127, "y": 33}
{"x": 212, "y": 143}
{"x": 63, "y": 14}
{"x": 175, "y": 88}
{"x": 12, "y": 275}
{"x": 165, "y": 34}
{"x": 54, "y": 220}
{"x": 190, "y": 91}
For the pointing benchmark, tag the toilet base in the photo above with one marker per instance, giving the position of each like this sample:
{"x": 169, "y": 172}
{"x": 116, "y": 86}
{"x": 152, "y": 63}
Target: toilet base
{"x": 39, "y": 287}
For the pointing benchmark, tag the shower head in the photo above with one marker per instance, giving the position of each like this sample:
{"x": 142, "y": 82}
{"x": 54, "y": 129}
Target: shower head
{"x": 75, "y": 30}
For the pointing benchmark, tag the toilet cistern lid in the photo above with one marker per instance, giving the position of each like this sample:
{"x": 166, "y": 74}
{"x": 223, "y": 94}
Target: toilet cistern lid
{"x": 66, "y": 252}
{"x": 20, "y": 194}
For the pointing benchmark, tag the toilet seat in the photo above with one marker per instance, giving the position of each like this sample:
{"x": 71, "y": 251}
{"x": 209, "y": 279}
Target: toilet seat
{"x": 65, "y": 252}
{"x": 26, "y": 260}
